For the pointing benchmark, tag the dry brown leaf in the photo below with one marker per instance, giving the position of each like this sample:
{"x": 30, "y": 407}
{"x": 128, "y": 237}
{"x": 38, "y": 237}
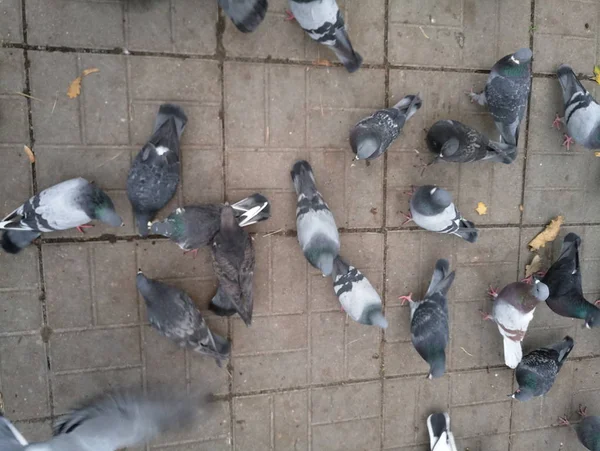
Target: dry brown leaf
{"x": 322, "y": 62}
{"x": 521, "y": 207}
{"x": 481, "y": 209}
{"x": 29, "y": 154}
{"x": 548, "y": 235}
{"x": 597, "y": 154}
{"x": 91, "y": 70}
{"x": 75, "y": 86}
{"x": 534, "y": 266}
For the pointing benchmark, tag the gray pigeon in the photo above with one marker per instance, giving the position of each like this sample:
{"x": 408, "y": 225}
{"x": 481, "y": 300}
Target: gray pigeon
{"x": 372, "y": 136}
{"x": 431, "y": 208}
{"x": 582, "y": 113}
{"x": 72, "y": 203}
{"x": 317, "y": 233}
{"x": 245, "y": 14}
{"x": 537, "y": 371}
{"x": 440, "y": 436}
{"x": 233, "y": 262}
{"x": 154, "y": 174}
{"x": 429, "y": 319}
{"x": 506, "y": 93}
{"x": 323, "y": 22}
{"x": 111, "y": 422}
{"x": 173, "y": 314}
{"x": 458, "y": 143}
{"x": 513, "y": 310}
{"x": 356, "y": 294}
{"x": 14, "y": 241}
{"x": 193, "y": 227}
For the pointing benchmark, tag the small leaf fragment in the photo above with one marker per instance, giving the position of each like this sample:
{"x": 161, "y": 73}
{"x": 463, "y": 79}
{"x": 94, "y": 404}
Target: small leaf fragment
{"x": 548, "y": 235}
{"x": 534, "y": 266}
{"x": 322, "y": 62}
{"x": 597, "y": 154}
{"x": 29, "y": 154}
{"x": 481, "y": 209}
{"x": 596, "y": 76}
{"x": 74, "y": 88}
{"x": 91, "y": 70}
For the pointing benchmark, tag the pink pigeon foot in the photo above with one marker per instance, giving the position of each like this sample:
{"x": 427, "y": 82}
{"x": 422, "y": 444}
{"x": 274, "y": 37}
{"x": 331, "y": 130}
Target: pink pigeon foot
{"x": 568, "y": 141}
{"x": 582, "y": 411}
{"x": 557, "y": 122}
{"x": 493, "y": 292}
{"x": 290, "y": 17}
{"x": 486, "y": 316}
{"x": 408, "y": 217}
{"x": 194, "y": 252}
{"x": 405, "y": 299}
{"x": 84, "y": 226}
{"x": 597, "y": 302}
{"x": 563, "y": 421}
{"x": 529, "y": 279}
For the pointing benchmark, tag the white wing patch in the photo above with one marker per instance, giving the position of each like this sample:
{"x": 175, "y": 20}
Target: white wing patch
{"x": 161, "y": 150}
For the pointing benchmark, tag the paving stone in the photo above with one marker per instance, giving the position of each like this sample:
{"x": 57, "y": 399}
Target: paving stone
{"x": 351, "y": 435}
{"x": 539, "y": 440}
{"x": 11, "y": 21}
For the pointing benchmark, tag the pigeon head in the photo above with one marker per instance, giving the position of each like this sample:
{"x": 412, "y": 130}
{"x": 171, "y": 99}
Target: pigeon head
{"x": 592, "y": 319}
{"x": 540, "y": 290}
{"x": 431, "y": 199}
{"x": 104, "y": 210}
{"x": 521, "y": 56}
{"x": 142, "y": 282}
{"x": 515, "y": 65}
{"x": 364, "y": 142}
{"x": 440, "y": 139}
{"x": 325, "y": 263}
{"x": 523, "y": 394}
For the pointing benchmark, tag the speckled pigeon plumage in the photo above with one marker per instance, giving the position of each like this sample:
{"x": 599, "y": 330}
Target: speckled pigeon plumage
{"x": 356, "y": 294}
{"x": 588, "y": 432}
{"x": 154, "y": 175}
{"x": 317, "y": 233}
{"x": 323, "y": 22}
{"x": 432, "y": 209}
{"x": 173, "y": 314}
{"x": 246, "y": 15}
{"x": 233, "y": 262}
{"x": 564, "y": 282}
{"x": 67, "y": 205}
{"x": 456, "y": 142}
{"x": 372, "y": 136}
{"x": 506, "y": 93}
{"x": 537, "y": 371}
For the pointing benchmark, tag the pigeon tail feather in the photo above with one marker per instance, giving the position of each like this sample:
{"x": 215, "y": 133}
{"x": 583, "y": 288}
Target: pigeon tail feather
{"x": 344, "y": 51}
{"x": 568, "y": 82}
{"x": 467, "y": 231}
{"x": 409, "y": 105}
{"x": 513, "y": 353}
{"x": 377, "y": 319}
{"x": 14, "y": 241}
{"x": 170, "y": 111}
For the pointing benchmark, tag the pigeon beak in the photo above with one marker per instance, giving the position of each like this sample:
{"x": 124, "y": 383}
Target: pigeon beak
{"x": 587, "y": 326}
{"x": 140, "y": 271}
{"x": 429, "y": 376}
{"x": 511, "y": 396}
{"x": 355, "y": 158}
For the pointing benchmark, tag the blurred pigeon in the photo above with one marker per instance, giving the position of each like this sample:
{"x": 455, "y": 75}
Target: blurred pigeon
{"x": 154, "y": 174}
{"x": 440, "y": 437}
{"x": 323, "y": 22}
{"x": 317, "y": 233}
{"x": 14, "y": 241}
{"x": 193, "y": 227}
{"x": 246, "y": 15}
{"x": 431, "y": 208}
{"x": 506, "y": 93}
{"x": 233, "y": 262}
{"x": 456, "y": 142}
{"x": 582, "y": 113}
{"x": 537, "y": 371}
{"x": 356, "y": 294}
{"x": 69, "y": 204}
{"x": 110, "y": 422}
{"x": 173, "y": 314}
{"x": 372, "y": 136}
{"x": 429, "y": 319}
{"x": 588, "y": 429}
{"x": 564, "y": 282}
{"x": 513, "y": 310}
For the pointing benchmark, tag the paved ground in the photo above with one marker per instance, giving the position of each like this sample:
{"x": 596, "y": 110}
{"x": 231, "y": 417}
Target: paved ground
{"x": 304, "y": 377}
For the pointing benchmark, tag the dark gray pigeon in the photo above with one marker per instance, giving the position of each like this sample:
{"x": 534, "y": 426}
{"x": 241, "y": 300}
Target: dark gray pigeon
{"x": 458, "y": 143}
{"x": 193, "y": 227}
{"x": 582, "y": 113}
{"x": 356, "y": 294}
{"x": 72, "y": 203}
{"x": 14, "y": 241}
{"x": 537, "y": 371}
{"x": 440, "y": 436}
{"x": 429, "y": 319}
{"x": 233, "y": 262}
{"x": 512, "y": 312}
{"x": 154, "y": 174}
{"x": 564, "y": 282}
{"x": 323, "y": 22}
{"x": 372, "y": 136}
{"x": 432, "y": 209}
{"x": 506, "y": 93}
{"x": 110, "y": 422}
{"x": 246, "y": 15}
{"x": 173, "y": 314}
{"x": 588, "y": 429}
{"x": 317, "y": 233}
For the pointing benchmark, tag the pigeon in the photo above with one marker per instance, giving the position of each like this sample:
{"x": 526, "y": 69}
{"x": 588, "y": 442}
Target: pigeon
{"x": 317, "y": 233}
{"x": 431, "y": 208}
{"x": 458, "y": 143}
{"x": 506, "y": 93}
{"x": 193, "y": 227}
{"x": 112, "y": 421}
{"x": 233, "y": 262}
{"x": 246, "y": 15}
{"x": 323, "y": 22}
{"x": 513, "y": 310}
{"x": 14, "y": 241}
{"x": 173, "y": 314}
{"x": 154, "y": 174}
{"x": 429, "y": 319}
{"x": 356, "y": 294}
{"x": 564, "y": 282}
{"x": 72, "y": 203}
{"x": 440, "y": 437}
{"x": 582, "y": 113}
{"x": 588, "y": 429}
{"x": 537, "y": 371}
{"x": 372, "y": 136}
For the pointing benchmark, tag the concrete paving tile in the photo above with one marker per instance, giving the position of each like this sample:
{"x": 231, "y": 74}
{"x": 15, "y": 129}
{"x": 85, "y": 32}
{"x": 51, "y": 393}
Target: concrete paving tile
{"x": 11, "y": 21}
{"x": 481, "y": 386}
{"x": 20, "y": 272}
{"x": 35, "y": 431}
{"x": 290, "y": 420}
{"x": 270, "y": 334}
{"x": 211, "y": 445}
{"x": 473, "y": 420}
{"x": 284, "y": 370}
{"x": 20, "y": 311}
{"x": 349, "y": 402}
{"x": 165, "y": 361}
{"x": 539, "y": 440}
{"x": 486, "y": 443}
{"x": 399, "y": 412}
{"x": 252, "y": 429}
{"x": 353, "y": 435}
{"x": 15, "y": 177}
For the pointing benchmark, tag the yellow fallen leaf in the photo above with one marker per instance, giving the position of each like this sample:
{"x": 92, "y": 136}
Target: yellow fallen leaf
{"x": 534, "y": 266}
{"x": 597, "y": 154}
{"x": 548, "y": 235}
{"x": 481, "y": 209}
{"x": 322, "y": 62}
{"x": 75, "y": 86}
{"x": 596, "y": 77}
{"x": 29, "y": 154}
{"x": 91, "y": 70}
